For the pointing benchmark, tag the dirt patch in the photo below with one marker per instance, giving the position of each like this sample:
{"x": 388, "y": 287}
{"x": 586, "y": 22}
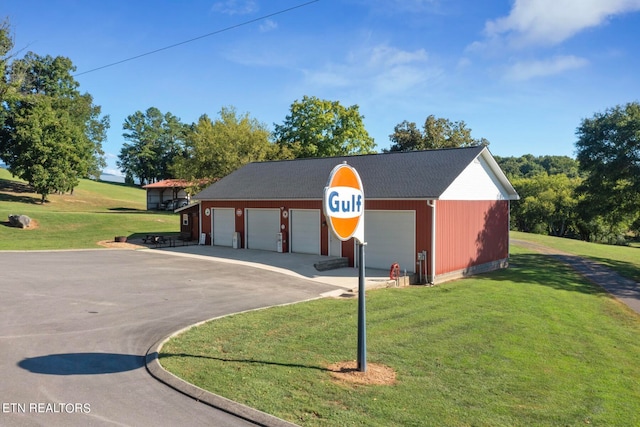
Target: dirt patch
{"x": 119, "y": 245}
{"x": 376, "y": 374}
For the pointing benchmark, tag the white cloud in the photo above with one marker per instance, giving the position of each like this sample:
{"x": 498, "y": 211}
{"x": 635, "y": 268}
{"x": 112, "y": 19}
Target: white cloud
{"x": 550, "y": 22}
{"x": 526, "y": 70}
{"x": 235, "y": 7}
{"x": 268, "y": 25}
{"x": 381, "y": 69}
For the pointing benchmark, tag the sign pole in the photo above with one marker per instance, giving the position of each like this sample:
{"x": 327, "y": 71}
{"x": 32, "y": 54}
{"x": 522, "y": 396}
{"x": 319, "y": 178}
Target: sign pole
{"x": 343, "y": 206}
{"x": 362, "y": 317}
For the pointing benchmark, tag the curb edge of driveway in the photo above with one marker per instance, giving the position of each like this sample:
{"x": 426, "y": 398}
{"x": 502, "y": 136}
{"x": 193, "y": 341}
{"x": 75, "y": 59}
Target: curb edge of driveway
{"x": 234, "y": 408}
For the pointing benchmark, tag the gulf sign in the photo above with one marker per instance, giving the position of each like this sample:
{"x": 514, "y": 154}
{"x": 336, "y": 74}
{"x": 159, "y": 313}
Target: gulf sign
{"x": 343, "y": 203}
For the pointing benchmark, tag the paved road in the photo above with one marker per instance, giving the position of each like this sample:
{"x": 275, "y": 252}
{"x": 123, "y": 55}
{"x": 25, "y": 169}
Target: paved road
{"x": 75, "y": 326}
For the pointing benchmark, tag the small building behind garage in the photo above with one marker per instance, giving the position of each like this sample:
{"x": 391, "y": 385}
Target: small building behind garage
{"x": 163, "y": 191}
{"x": 439, "y": 214}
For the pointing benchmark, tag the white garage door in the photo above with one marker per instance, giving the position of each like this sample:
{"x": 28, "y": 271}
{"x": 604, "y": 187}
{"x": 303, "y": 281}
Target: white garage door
{"x": 224, "y": 224}
{"x": 305, "y": 231}
{"x": 263, "y": 226}
{"x": 390, "y": 238}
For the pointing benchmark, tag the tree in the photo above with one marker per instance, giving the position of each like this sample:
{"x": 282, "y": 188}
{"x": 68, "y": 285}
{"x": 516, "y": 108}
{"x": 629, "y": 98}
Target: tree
{"x": 436, "y": 133}
{"x": 51, "y": 134}
{"x": 320, "y": 128}
{"x": 213, "y": 149}
{"x": 608, "y": 149}
{"x": 6, "y": 44}
{"x": 44, "y": 140}
{"x": 154, "y": 141}
{"x": 528, "y": 166}
{"x": 547, "y": 204}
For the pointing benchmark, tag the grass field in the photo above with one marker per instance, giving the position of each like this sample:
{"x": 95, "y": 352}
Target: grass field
{"x": 96, "y": 211}
{"x": 532, "y": 345}
{"x": 624, "y": 259}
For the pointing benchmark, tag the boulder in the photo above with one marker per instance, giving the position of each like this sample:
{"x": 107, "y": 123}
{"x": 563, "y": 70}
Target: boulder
{"x": 20, "y": 221}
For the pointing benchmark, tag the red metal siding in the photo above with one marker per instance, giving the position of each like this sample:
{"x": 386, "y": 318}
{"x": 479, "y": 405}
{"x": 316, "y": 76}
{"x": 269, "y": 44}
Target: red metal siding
{"x": 470, "y": 233}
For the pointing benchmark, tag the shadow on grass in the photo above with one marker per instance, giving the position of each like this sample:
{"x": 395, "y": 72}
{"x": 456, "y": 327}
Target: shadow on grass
{"x": 82, "y": 363}
{"x": 545, "y": 270}
{"x": 126, "y": 210}
{"x": 628, "y": 270}
{"x": 19, "y": 192}
{"x": 247, "y": 361}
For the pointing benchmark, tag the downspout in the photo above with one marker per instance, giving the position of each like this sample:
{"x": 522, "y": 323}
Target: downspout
{"x": 200, "y": 219}
{"x": 432, "y": 275}
{"x": 508, "y": 231}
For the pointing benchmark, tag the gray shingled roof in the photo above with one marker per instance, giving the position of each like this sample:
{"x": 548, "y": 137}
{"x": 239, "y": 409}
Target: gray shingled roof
{"x": 410, "y": 175}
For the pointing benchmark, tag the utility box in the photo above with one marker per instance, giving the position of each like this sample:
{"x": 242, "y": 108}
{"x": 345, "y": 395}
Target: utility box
{"x": 279, "y": 242}
{"x": 235, "y": 240}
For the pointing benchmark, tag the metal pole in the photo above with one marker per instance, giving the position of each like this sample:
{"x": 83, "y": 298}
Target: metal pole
{"x": 362, "y": 327}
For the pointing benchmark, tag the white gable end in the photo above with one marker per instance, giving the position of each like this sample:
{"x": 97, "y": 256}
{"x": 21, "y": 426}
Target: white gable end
{"x": 476, "y": 182}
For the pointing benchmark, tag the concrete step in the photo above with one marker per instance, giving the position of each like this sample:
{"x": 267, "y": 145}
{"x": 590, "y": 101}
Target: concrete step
{"x": 331, "y": 264}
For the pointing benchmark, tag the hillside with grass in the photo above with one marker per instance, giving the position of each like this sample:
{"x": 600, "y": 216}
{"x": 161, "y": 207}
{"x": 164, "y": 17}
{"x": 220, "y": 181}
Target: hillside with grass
{"x": 95, "y": 212}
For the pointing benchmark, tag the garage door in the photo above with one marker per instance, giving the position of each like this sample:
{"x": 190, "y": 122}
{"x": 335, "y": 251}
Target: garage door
{"x": 224, "y": 224}
{"x": 305, "y": 231}
{"x": 390, "y": 238}
{"x": 263, "y": 226}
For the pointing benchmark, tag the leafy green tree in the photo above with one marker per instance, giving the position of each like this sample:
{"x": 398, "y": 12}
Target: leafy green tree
{"x": 213, "y": 149}
{"x": 320, "y": 128}
{"x": 436, "y": 133}
{"x": 44, "y": 140}
{"x": 547, "y": 204}
{"x": 52, "y": 134}
{"x": 608, "y": 150}
{"x": 155, "y": 139}
{"x": 528, "y": 166}
{"x": 6, "y": 44}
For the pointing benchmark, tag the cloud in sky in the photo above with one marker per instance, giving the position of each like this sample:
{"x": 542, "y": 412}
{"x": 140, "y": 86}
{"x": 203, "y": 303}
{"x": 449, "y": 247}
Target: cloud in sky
{"x": 526, "y": 70}
{"x": 268, "y": 25}
{"x": 550, "y": 22}
{"x": 235, "y": 7}
{"x": 384, "y": 68}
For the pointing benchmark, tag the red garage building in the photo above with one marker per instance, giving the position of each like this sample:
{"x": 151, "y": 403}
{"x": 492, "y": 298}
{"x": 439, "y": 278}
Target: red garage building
{"x": 450, "y": 207}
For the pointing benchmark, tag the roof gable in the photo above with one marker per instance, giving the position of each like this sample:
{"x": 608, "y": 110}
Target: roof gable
{"x": 480, "y": 180}
{"x": 406, "y": 175}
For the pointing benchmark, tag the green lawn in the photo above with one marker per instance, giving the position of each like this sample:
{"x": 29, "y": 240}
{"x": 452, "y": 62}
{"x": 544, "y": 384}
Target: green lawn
{"x": 96, "y": 211}
{"x": 624, "y": 259}
{"x": 532, "y": 345}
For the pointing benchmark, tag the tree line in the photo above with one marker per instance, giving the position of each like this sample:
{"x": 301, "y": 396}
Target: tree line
{"x": 595, "y": 197}
{"x": 159, "y": 146}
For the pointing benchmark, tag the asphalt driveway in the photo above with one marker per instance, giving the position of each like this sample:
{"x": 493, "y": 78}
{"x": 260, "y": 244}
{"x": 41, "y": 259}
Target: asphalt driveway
{"x": 75, "y": 327}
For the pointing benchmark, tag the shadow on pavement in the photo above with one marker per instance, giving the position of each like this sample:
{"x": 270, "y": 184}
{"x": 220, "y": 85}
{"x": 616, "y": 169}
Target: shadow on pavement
{"x": 82, "y": 363}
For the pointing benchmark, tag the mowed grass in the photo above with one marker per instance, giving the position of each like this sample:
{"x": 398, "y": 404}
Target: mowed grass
{"x": 96, "y": 211}
{"x": 534, "y": 345}
{"x": 623, "y": 259}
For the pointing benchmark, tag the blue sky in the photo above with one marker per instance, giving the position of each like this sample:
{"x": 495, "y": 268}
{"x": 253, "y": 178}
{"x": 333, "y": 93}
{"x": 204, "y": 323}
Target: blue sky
{"x": 522, "y": 74}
